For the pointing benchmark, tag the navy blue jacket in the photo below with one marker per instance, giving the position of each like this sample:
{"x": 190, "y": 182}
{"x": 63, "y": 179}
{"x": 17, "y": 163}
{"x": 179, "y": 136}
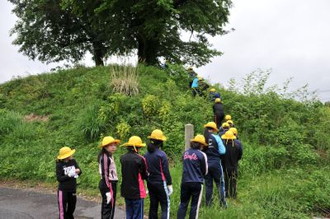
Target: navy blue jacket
{"x": 158, "y": 167}
{"x": 234, "y": 152}
{"x": 194, "y": 166}
{"x": 215, "y": 147}
{"x": 218, "y": 109}
{"x": 214, "y": 95}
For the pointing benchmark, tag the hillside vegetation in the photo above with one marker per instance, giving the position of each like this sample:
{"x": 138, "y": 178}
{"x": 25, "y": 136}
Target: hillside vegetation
{"x": 285, "y": 171}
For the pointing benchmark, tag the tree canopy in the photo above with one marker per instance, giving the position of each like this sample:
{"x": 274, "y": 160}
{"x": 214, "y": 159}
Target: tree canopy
{"x": 54, "y": 30}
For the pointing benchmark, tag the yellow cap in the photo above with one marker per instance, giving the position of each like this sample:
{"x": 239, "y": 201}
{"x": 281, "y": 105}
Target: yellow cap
{"x": 199, "y": 139}
{"x": 108, "y": 140}
{"x": 234, "y": 130}
{"x": 230, "y": 122}
{"x": 212, "y": 90}
{"x": 65, "y": 152}
{"x": 228, "y": 135}
{"x": 134, "y": 141}
{"x": 225, "y": 125}
{"x": 228, "y": 117}
{"x": 211, "y": 125}
{"x": 217, "y": 100}
{"x": 158, "y": 135}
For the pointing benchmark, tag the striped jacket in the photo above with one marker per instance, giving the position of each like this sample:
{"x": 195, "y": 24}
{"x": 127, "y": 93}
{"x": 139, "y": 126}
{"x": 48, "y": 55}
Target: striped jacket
{"x": 158, "y": 167}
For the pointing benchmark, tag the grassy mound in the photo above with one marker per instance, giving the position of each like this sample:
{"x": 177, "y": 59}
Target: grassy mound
{"x": 284, "y": 172}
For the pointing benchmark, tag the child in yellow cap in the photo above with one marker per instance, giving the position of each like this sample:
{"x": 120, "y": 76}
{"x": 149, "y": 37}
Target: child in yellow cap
{"x": 133, "y": 172}
{"x": 67, "y": 172}
{"x": 109, "y": 178}
{"x": 195, "y": 167}
{"x": 159, "y": 181}
{"x": 234, "y": 153}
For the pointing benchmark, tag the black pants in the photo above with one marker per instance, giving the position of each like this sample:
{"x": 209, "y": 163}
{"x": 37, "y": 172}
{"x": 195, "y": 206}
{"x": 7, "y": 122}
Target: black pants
{"x": 231, "y": 183}
{"x": 218, "y": 119}
{"x": 215, "y": 173}
{"x": 66, "y": 204}
{"x": 194, "y": 191}
{"x": 108, "y": 210}
{"x": 158, "y": 195}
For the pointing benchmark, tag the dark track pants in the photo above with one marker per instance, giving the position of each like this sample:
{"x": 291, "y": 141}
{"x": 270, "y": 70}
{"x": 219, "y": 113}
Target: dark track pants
{"x": 194, "y": 191}
{"x": 215, "y": 173}
{"x": 134, "y": 208}
{"x": 158, "y": 195}
{"x": 108, "y": 210}
{"x": 218, "y": 119}
{"x": 231, "y": 183}
{"x": 66, "y": 204}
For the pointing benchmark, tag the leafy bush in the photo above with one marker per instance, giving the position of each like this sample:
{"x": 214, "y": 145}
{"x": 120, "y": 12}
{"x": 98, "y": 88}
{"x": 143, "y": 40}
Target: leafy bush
{"x": 150, "y": 105}
{"x": 123, "y": 129}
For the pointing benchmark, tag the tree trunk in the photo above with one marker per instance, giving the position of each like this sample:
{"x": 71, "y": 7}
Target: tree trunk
{"x": 98, "y": 54}
{"x": 147, "y": 51}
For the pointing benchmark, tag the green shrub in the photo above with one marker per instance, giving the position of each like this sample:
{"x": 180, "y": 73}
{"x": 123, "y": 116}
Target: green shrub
{"x": 123, "y": 129}
{"x": 150, "y": 106}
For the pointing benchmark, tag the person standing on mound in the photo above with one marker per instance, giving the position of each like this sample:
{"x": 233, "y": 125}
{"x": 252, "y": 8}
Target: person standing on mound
{"x": 230, "y": 162}
{"x": 214, "y": 150}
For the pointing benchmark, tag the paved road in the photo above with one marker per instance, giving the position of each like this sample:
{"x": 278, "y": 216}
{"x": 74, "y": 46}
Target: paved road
{"x": 25, "y": 204}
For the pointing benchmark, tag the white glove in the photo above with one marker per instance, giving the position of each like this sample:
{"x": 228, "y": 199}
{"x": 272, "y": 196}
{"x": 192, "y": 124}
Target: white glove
{"x": 170, "y": 189}
{"x": 108, "y": 197}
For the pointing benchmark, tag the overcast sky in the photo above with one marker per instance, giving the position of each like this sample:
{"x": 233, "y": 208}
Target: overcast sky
{"x": 292, "y": 37}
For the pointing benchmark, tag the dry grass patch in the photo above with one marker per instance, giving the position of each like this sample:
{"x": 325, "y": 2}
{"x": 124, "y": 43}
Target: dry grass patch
{"x": 124, "y": 80}
{"x": 36, "y": 118}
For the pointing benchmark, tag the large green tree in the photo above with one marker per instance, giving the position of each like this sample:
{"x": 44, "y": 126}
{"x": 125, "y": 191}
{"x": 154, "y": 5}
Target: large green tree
{"x": 50, "y": 32}
{"x": 54, "y": 30}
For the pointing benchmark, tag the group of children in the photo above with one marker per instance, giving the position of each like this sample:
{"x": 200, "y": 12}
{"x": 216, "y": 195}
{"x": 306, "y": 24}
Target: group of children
{"x": 211, "y": 157}
{"x": 153, "y": 167}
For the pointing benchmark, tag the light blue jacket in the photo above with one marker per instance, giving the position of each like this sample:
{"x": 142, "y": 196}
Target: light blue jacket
{"x": 194, "y": 84}
{"x": 221, "y": 147}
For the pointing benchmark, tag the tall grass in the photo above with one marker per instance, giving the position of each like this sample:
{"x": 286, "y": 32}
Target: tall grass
{"x": 124, "y": 79}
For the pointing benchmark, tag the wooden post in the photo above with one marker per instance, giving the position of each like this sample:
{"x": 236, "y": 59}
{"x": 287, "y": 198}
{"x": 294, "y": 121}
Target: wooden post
{"x": 189, "y": 134}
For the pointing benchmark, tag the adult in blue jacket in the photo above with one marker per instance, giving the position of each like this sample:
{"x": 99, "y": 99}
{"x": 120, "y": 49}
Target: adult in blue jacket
{"x": 159, "y": 181}
{"x": 213, "y": 151}
{"x": 195, "y": 86}
{"x": 194, "y": 170}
